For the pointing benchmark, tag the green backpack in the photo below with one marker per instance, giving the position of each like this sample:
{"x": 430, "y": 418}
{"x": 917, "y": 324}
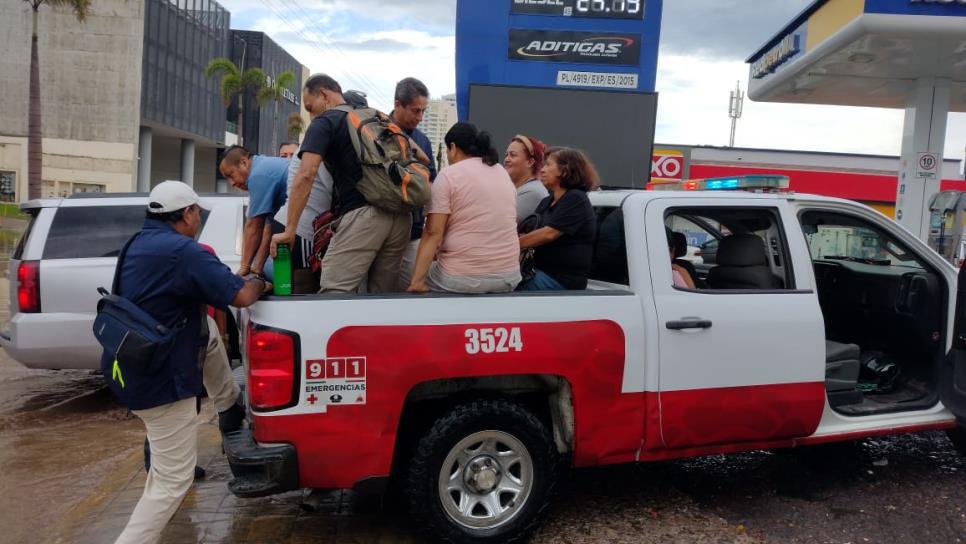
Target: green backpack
{"x": 393, "y": 179}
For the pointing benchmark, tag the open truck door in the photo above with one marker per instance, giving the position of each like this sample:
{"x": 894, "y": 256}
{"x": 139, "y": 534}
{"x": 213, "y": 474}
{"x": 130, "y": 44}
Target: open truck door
{"x": 953, "y": 376}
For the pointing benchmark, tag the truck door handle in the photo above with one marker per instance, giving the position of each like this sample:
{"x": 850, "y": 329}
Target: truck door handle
{"x": 686, "y": 324}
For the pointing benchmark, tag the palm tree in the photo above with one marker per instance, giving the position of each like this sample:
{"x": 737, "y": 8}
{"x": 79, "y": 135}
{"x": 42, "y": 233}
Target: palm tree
{"x": 276, "y": 93}
{"x": 234, "y": 82}
{"x": 35, "y": 149}
{"x": 295, "y": 126}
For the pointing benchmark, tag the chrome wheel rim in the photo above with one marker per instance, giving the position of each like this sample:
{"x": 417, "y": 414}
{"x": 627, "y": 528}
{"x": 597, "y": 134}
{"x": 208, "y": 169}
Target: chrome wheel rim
{"x": 485, "y": 480}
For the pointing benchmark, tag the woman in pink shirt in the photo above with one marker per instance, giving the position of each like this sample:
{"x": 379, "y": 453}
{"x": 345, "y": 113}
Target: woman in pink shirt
{"x": 471, "y": 223}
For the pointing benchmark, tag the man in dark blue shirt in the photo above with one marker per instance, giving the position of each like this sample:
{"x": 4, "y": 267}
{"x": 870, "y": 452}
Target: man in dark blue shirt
{"x": 172, "y": 278}
{"x": 266, "y": 180}
{"x": 411, "y": 101}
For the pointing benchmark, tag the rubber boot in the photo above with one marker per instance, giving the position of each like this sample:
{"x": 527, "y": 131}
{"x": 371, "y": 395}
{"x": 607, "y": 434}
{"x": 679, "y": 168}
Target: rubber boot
{"x": 231, "y": 419}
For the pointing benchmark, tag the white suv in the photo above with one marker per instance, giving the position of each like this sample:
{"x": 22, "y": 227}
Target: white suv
{"x": 70, "y": 249}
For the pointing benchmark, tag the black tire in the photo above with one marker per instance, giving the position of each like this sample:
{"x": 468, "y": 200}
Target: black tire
{"x": 492, "y": 421}
{"x": 958, "y": 437}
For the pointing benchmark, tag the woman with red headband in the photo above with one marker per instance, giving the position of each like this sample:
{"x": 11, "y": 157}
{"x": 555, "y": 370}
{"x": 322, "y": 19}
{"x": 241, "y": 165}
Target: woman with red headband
{"x": 524, "y": 159}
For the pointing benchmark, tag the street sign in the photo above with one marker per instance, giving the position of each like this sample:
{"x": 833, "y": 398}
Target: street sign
{"x": 927, "y": 166}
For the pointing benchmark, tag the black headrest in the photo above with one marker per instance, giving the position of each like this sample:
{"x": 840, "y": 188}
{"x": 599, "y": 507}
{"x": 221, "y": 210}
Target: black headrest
{"x": 742, "y": 250}
{"x": 680, "y": 244}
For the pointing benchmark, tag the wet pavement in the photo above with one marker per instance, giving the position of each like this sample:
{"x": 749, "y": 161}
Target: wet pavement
{"x": 71, "y": 472}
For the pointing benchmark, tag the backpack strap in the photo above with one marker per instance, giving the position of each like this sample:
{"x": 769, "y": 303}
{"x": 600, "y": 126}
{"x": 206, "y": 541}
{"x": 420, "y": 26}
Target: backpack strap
{"x": 344, "y": 107}
{"x": 120, "y": 263}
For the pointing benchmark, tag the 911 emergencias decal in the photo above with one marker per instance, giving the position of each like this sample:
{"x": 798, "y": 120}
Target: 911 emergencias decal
{"x": 335, "y": 381}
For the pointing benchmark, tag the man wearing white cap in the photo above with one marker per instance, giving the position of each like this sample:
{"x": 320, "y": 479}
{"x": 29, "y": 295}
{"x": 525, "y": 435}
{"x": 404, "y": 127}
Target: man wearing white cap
{"x": 167, "y": 274}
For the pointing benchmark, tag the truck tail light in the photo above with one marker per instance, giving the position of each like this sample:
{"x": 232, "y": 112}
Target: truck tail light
{"x": 28, "y": 287}
{"x": 272, "y": 363}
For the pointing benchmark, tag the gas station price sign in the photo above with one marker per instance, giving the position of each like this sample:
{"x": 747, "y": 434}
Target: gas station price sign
{"x": 557, "y": 44}
{"x": 598, "y": 9}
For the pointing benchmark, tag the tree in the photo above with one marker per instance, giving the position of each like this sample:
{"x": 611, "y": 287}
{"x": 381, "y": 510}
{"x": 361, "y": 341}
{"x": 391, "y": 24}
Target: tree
{"x": 234, "y": 82}
{"x": 295, "y": 126}
{"x": 35, "y": 145}
{"x": 276, "y": 93}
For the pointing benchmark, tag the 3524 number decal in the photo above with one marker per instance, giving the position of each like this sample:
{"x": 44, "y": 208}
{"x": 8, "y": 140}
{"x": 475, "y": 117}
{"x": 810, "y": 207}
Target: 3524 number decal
{"x": 495, "y": 340}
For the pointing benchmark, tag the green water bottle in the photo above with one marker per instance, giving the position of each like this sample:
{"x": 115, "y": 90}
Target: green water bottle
{"x": 283, "y": 270}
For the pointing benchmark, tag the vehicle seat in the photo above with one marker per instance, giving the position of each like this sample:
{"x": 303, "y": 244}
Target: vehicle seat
{"x": 841, "y": 366}
{"x": 743, "y": 264}
{"x": 681, "y": 250}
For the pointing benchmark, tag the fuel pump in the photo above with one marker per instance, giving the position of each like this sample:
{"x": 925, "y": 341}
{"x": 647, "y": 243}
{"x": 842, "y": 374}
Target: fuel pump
{"x": 947, "y": 214}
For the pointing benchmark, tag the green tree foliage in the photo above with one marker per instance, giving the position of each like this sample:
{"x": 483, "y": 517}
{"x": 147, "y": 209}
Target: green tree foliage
{"x": 234, "y": 82}
{"x": 275, "y": 93}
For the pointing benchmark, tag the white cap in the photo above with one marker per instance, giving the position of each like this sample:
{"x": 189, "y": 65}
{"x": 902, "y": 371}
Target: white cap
{"x": 171, "y": 196}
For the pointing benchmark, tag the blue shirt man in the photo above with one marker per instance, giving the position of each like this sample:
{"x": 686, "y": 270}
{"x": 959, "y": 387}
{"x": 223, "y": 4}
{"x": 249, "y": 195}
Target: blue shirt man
{"x": 172, "y": 278}
{"x": 411, "y": 102}
{"x": 267, "y": 184}
{"x": 423, "y": 142}
{"x": 266, "y": 180}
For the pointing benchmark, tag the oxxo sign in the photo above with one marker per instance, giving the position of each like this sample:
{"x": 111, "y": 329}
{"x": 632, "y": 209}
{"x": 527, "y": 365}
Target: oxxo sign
{"x": 667, "y": 166}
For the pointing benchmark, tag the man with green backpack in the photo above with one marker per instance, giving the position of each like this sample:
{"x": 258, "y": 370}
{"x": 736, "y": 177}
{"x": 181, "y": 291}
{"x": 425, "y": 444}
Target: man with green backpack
{"x": 379, "y": 177}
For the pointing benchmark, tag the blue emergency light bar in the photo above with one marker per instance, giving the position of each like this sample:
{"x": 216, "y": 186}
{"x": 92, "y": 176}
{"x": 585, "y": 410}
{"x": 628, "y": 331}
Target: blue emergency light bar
{"x": 756, "y": 183}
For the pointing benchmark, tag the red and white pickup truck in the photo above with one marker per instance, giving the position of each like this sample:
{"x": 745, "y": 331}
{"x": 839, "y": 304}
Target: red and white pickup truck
{"x": 822, "y": 320}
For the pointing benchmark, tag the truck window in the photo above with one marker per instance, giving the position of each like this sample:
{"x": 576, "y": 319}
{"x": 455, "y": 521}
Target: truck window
{"x": 834, "y": 237}
{"x": 730, "y": 248}
{"x": 610, "y": 250}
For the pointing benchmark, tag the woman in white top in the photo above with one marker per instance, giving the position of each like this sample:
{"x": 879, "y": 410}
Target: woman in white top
{"x": 524, "y": 159}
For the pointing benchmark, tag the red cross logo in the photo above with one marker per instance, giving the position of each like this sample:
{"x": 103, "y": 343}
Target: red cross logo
{"x": 312, "y": 399}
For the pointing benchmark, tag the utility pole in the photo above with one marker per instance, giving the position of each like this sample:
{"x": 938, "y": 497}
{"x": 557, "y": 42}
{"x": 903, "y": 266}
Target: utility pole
{"x": 735, "y": 108}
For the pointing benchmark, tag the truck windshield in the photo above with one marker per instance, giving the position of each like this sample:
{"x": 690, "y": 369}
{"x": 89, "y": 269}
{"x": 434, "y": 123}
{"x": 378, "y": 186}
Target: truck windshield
{"x": 857, "y": 244}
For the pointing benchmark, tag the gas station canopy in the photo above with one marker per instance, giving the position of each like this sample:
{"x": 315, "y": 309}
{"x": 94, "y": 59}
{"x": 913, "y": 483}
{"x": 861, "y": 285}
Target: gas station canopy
{"x": 863, "y": 53}
{"x": 908, "y": 54}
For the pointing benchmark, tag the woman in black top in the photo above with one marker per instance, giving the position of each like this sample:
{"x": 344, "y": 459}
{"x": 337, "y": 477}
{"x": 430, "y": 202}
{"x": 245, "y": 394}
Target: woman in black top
{"x": 564, "y": 243}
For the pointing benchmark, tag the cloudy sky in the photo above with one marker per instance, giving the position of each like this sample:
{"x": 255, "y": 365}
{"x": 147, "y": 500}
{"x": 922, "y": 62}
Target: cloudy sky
{"x": 371, "y": 44}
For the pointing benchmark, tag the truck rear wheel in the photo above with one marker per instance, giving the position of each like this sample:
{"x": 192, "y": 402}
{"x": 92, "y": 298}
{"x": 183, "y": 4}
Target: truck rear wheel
{"x": 483, "y": 473}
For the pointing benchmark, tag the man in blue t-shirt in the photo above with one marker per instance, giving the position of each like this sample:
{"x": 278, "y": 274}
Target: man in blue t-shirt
{"x": 266, "y": 180}
{"x": 411, "y": 101}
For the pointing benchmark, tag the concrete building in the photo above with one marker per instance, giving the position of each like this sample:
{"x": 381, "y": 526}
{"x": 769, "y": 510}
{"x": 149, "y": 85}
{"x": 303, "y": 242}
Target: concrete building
{"x": 125, "y": 100}
{"x": 91, "y": 91}
{"x": 440, "y": 116}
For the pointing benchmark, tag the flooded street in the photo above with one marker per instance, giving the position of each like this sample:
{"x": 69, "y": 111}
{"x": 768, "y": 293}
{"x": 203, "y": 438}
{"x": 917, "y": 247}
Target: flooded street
{"x": 59, "y": 437}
